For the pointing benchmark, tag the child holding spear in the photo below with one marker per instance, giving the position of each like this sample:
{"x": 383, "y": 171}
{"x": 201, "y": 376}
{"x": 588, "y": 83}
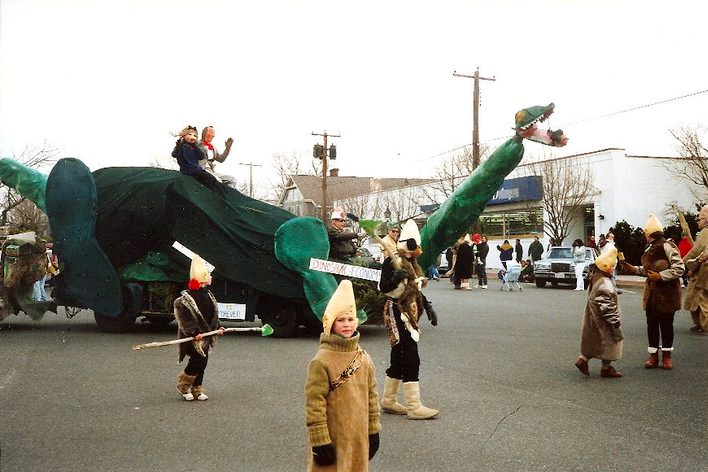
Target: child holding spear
{"x": 197, "y": 313}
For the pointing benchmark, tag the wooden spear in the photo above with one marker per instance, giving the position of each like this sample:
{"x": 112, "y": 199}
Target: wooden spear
{"x": 265, "y": 330}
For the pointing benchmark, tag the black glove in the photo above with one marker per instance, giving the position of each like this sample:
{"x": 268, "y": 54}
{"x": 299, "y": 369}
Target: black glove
{"x": 373, "y": 445}
{"x": 428, "y": 307}
{"x": 617, "y": 332}
{"x": 399, "y": 275}
{"x": 324, "y": 455}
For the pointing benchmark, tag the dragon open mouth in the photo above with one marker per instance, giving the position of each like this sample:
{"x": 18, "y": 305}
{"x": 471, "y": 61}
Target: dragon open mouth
{"x": 526, "y": 121}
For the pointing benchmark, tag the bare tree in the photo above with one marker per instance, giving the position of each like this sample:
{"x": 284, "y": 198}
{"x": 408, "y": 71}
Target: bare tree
{"x": 31, "y": 156}
{"x": 286, "y": 165}
{"x": 567, "y": 186}
{"x": 692, "y": 164}
{"x": 450, "y": 173}
{"x": 25, "y": 216}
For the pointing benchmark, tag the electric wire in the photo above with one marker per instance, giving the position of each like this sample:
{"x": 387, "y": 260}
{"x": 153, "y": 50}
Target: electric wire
{"x": 584, "y": 120}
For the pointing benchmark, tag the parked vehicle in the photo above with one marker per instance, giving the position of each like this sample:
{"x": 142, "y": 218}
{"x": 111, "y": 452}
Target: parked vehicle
{"x": 557, "y": 267}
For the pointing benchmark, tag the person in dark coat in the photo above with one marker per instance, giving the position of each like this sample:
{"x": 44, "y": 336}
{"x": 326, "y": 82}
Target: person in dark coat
{"x": 342, "y": 243}
{"x": 188, "y": 154}
{"x": 463, "y": 264}
{"x": 480, "y": 266}
{"x": 519, "y": 249}
{"x": 535, "y": 249}
{"x": 505, "y": 252}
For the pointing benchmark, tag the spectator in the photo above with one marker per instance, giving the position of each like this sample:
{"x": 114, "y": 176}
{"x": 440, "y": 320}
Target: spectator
{"x": 526, "y": 272}
{"x": 579, "y": 260}
{"x": 590, "y": 242}
{"x": 684, "y": 246}
{"x": 481, "y": 260}
{"x": 463, "y": 264}
{"x": 535, "y": 250}
{"x": 519, "y": 251}
{"x": 505, "y": 252}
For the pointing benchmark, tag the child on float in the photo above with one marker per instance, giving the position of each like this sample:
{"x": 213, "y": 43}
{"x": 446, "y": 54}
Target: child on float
{"x": 196, "y": 312}
{"x": 341, "y": 403}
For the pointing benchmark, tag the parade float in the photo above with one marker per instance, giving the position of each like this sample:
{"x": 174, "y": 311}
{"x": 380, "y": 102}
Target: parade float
{"x": 117, "y": 232}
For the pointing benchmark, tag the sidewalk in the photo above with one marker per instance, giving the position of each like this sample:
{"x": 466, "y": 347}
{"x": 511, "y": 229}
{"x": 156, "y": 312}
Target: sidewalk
{"x": 626, "y": 281}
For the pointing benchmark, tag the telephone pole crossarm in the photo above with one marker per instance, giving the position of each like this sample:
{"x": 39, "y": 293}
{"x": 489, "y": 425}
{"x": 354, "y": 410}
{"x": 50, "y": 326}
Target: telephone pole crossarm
{"x": 250, "y": 175}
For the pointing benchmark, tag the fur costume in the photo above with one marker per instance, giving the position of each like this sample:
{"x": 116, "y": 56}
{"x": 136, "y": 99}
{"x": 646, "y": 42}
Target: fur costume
{"x": 664, "y": 295}
{"x": 601, "y": 331}
{"x": 191, "y": 321}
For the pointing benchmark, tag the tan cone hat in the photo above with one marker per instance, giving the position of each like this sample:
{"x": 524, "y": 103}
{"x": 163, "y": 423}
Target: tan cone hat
{"x": 409, "y": 231}
{"x": 652, "y": 226}
{"x": 607, "y": 260}
{"x": 341, "y": 303}
{"x": 198, "y": 271}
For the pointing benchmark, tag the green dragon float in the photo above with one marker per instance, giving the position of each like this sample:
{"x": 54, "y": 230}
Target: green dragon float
{"x": 114, "y": 230}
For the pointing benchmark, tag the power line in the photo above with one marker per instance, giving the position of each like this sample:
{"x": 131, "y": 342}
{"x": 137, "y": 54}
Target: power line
{"x": 584, "y": 120}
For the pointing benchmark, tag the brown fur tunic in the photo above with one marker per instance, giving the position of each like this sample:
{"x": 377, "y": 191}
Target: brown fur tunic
{"x": 191, "y": 321}
{"x": 664, "y": 295}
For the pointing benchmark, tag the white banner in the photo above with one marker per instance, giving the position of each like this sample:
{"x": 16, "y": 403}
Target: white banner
{"x": 232, "y": 311}
{"x": 345, "y": 269}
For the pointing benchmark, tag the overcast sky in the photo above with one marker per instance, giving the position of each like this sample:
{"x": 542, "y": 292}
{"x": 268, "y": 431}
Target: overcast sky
{"x": 107, "y": 81}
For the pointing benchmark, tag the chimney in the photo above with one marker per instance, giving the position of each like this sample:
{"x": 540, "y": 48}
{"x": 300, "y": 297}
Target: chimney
{"x": 334, "y": 172}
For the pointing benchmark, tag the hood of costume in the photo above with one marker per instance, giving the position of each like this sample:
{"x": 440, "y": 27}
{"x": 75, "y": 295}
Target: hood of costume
{"x": 341, "y": 303}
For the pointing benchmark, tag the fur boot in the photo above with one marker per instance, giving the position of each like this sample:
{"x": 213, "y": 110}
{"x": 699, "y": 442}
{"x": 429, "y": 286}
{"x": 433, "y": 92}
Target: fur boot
{"x": 652, "y": 361}
{"x": 416, "y": 410}
{"x": 666, "y": 362}
{"x": 199, "y": 393}
{"x": 389, "y": 402}
{"x": 184, "y": 385}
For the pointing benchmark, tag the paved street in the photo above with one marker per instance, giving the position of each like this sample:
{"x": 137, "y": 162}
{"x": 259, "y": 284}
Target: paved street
{"x": 499, "y": 367}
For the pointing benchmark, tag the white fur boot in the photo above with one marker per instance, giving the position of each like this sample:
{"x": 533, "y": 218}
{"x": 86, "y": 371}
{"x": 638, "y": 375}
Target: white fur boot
{"x": 389, "y": 402}
{"x": 416, "y": 410}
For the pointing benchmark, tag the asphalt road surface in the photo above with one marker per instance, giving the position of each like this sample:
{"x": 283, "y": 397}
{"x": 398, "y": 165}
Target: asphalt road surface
{"x": 499, "y": 366}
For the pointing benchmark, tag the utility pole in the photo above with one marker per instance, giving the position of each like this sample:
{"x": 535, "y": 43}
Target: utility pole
{"x": 323, "y": 155}
{"x": 475, "y": 113}
{"x": 250, "y": 175}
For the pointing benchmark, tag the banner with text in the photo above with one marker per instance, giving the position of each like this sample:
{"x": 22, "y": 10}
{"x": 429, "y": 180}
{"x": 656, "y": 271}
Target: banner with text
{"x": 345, "y": 269}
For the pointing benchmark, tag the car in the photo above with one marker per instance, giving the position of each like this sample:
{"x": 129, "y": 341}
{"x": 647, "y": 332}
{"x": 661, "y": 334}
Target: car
{"x": 557, "y": 267}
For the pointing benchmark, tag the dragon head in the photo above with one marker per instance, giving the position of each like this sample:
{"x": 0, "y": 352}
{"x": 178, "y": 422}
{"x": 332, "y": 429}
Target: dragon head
{"x": 526, "y": 121}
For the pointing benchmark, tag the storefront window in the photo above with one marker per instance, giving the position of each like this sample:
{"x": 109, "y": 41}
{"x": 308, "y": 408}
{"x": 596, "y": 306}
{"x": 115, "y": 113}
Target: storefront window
{"x": 512, "y": 223}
